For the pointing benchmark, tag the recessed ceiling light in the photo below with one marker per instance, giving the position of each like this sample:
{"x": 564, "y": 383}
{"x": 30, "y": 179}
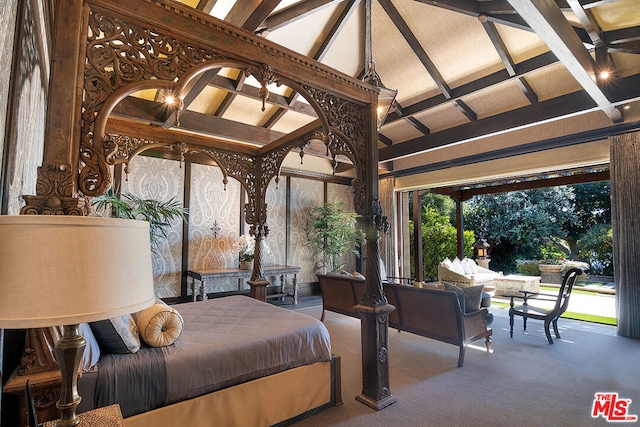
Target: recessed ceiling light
{"x": 604, "y": 74}
{"x": 626, "y": 107}
{"x": 169, "y": 100}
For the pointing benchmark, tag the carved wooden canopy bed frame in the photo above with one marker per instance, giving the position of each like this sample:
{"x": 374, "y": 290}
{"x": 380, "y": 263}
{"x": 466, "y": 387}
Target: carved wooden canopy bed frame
{"x": 106, "y": 50}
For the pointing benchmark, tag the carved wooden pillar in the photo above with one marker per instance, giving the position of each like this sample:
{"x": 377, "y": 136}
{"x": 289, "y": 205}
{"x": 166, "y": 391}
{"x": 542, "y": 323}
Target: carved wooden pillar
{"x": 373, "y": 307}
{"x": 258, "y": 283}
{"x": 418, "y": 260}
{"x": 374, "y": 317}
{"x": 57, "y": 183}
{"x": 256, "y": 215}
{"x": 625, "y": 211}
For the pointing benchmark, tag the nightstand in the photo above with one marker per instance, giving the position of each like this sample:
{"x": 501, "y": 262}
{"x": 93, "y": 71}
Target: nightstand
{"x": 45, "y": 391}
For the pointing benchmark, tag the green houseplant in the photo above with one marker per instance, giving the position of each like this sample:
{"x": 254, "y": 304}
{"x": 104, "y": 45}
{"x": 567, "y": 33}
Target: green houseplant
{"x": 332, "y": 232}
{"x": 158, "y": 214}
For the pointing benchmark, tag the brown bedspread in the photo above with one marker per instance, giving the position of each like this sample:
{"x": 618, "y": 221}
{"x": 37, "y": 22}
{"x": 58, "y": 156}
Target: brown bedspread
{"x": 228, "y": 341}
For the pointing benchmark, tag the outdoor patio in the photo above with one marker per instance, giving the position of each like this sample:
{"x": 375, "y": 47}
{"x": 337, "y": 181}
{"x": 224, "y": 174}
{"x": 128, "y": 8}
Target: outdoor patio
{"x": 586, "y": 302}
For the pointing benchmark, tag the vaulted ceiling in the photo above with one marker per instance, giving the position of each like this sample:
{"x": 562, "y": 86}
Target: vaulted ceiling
{"x": 483, "y": 85}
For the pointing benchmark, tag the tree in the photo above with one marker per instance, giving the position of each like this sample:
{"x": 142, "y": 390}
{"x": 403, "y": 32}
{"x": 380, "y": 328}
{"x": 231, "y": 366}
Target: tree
{"x": 519, "y": 223}
{"x": 590, "y": 236}
{"x": 439, "y": 235}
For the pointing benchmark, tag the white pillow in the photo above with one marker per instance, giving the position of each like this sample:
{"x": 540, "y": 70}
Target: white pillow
{"x": 447, "y": 264}
{"x": 457, "y": 266}
{"x": 467, "y": 267}
{"x": 472, "y": 265}
{"x": 91, "y": 353}
{"x": 160, "y": 325}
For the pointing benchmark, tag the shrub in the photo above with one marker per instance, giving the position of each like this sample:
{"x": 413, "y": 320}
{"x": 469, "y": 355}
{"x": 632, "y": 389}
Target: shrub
{"x": 528, "y": 267}
{"x": 568, "y": 265}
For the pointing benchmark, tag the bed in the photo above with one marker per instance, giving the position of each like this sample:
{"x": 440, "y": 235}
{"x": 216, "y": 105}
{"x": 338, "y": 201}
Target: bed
{"x": 238, "y": 361}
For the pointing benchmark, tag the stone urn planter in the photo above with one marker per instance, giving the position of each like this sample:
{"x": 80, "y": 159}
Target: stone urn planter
{"x": 550, "y": 273}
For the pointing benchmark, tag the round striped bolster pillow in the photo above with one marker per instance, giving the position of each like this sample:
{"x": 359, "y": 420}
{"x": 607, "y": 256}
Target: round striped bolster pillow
{"x": 159, "y": 325}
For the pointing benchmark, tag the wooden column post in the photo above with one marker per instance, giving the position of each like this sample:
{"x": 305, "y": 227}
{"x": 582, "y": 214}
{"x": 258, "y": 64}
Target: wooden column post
{"x": 373, "y": 307}
{"x": 58, "y": 175}
{"x": 258, "y": 220}
{"x": 459, "y": 228}
{"x": 418, "y": 262}
{"x": 625, "y": 211}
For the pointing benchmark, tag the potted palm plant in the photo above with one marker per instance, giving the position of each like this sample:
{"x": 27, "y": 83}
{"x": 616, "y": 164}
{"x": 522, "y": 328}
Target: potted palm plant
{"x": 158, "y": 214}
{"x": 332, "y": 232}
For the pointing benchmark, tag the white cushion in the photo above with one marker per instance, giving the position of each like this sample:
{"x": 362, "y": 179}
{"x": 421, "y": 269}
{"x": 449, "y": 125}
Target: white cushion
{"x": 447, "y": 264}
{"x": 467, "y": 267}
{"x": 160, "y": 325}
{"x": 484, "y": 277}
{"x": 91, "y": 353}
{"x": 457, "y": 266}
{"x": 472, "y": 264}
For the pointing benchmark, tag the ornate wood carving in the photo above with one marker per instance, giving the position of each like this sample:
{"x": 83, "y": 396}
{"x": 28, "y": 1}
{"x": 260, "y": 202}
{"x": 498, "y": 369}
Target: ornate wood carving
{"x": 38, "y": 352}
{"x": 120, "y": 53}
{"x": 348, "y": 137}
{"x": 54, "y": 189}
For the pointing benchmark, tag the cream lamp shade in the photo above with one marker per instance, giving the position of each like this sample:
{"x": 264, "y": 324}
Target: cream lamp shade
{"x": 67, "y": 270}
{"x": 63, "y": 270}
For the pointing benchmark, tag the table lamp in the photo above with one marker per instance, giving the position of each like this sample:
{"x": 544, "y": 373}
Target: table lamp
{"x": 66, "y": 270}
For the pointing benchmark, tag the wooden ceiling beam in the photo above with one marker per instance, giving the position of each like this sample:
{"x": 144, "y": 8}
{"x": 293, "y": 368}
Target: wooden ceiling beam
{"x": 418, "y": 125}
{"x": 170, "y": 136}
{"x": 628, "y": 47}
{"x": 155, "y": 113}
{"x": 522, "y": 69}
{"x": 336, "y": 27}
{"x": 230, "y": 96}
{"x": 554, "y": 108}
{"x": 519, "y": 150}
{"x": 206, "y": 5}
{"x": 244, "y": 13}
{"x": 294, "y": 13}
{"x": 386, "y": 141}
{"x": 587, "y": 20}
{"x": 526, "y": 89}
{"x": 547, "y": 20}
{"x": 192, "y": 94}
{"x": 415, "y": 45}
{"x": 249, "y": 14}
{"x": 622, "y": 35}
{"x": 509, "y": 65}
{"x": 252, "y": 92}
{"x": 586, "y": 4}
{"x": 286, "y": 139}
{"x": 499, "y": 46}
{"x": 499, "y": 11}
{"x": 465, "y": 110}
{"x": 466, "y": 194}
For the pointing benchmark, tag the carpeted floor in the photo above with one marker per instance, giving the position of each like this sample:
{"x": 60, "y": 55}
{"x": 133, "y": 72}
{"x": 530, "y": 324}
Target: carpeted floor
{"x": 525, "y": 381}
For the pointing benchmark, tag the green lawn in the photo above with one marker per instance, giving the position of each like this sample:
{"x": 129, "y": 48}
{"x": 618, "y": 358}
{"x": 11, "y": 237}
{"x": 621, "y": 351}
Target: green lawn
{"x": 570, "y": 315}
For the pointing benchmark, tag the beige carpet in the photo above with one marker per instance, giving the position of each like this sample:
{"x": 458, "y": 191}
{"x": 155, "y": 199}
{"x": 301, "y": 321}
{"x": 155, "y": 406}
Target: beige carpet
{"x": 525, "y": 381}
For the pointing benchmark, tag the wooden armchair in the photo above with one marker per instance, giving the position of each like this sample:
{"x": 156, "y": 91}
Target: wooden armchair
{"x": 549, "y": 316}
